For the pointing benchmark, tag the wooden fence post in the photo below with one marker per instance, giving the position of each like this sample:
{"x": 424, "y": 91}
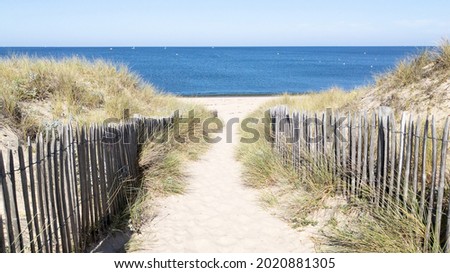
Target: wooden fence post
{"x": 385, "y": 131}
{"x": 337, "y": 153}
{"x": 70, "y": 185}
{"x": 393, "y": 151}
{"x": 400, "y": 159}
{"x": 440, "y": 189}
{"x": 373, "y": 139}
{"x": 8, "y": 208}
{"x": 433, "y": 185}
{"x": 41, "y": 178}
{"x": 15, "y": 208}
{"x": 345, "y": 133}
{"x": 408, "y": 161}
{"x": 416, "y": 139}
{"x": 424, "y": 173}
{"x": 353, "y": 154}
{"x": 2, "y": 236}
{"x": 359, "y": 155}
{"x": 364, "y": 180}
{"x": 51, "y": 194}
{"x": 26, "y": 198}
{"x": 379, "y": 162}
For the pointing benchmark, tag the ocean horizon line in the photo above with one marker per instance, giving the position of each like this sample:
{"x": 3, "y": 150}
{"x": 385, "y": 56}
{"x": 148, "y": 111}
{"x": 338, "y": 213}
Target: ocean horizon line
{"x": 235, "y": 46}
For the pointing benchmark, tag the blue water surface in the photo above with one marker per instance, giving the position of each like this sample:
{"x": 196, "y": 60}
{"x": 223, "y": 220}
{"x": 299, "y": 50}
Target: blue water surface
{"x": 197, "y": 71}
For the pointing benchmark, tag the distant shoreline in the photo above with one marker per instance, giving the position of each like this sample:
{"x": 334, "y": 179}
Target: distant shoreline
{"x": 263, "y": 94}
{"x": 236, "y": 95}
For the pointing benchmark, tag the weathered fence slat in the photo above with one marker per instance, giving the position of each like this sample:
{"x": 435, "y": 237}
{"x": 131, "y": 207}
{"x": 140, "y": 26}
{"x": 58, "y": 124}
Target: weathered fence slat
{"x": 316, "y": 139}
{"x": 2, "y": 236}
{"x": 59, "y": 202}
{"x": 41, "y": 157}
{"x": 69, "y": 177}
{"x": 76, "y": 186}
{"x": 393, "y": 143}
{"x": 295, "y": 144}
{"x": 88, "y": 186}
{"x": 416, "y": 139}
{"x": 39, "y": 216}
{"x": 41, "y": 193}
{"x": 379, "y": 160}
{"x": 109, "y": 177}
{"x": 359, "y": 146}
{"x": 103, "y": 188}
{"x": 95, "y": 184}
{"x": 364, "y": 180}
{"x": 301, "y": 146}
{"x": 373, "y": 138}
{"x": 440, "y": 187}
{"x": 337, "y": 147}
{"x": 353, "y": 154}
{"x": 82, "y": 192}
{"x": 345, "y": 133}
{"x": 26, "y": 199}
{"x": 386, "y": 140}
{"x": 407, "y": 161}
{"x": 385, "y": 154}
{"x": 54, "y": 186}
{"x": 15, "y": 209}
{"x": 424, "y": 171}
{"x": 400, "y": 159}
{"x": 123, "y": 165}
{"x": 433, "y": 185}
{"x": 51, "y": 195}
{"x": 7, "y": 204}
{"x": 63, "y": 174}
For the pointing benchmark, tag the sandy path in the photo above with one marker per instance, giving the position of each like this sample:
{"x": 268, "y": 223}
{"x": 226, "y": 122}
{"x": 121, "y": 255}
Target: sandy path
{"x": 218, "y": 213}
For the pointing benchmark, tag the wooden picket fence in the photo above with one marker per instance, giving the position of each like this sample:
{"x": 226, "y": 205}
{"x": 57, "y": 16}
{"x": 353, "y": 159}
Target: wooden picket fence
{"x": 398, "y": 164}
{"x": 68, "y": 187}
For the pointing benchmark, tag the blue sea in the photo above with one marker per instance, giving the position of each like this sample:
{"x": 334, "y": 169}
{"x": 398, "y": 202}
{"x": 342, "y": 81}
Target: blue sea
{"x": 209, "y": 71}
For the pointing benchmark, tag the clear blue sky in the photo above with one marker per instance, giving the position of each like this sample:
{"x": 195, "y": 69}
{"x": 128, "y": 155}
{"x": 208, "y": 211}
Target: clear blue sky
{"x": 222, "y": 22}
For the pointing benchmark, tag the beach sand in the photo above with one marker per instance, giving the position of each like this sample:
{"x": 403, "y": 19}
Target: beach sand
{"x": 218, "y": 213}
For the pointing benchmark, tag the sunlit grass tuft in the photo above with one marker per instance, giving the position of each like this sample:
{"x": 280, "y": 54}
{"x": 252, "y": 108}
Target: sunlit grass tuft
{"x": 364, "y": 228}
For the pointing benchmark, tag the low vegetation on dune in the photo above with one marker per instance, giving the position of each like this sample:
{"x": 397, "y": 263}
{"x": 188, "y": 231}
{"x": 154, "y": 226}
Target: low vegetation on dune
{"x": 361, "y": 228}
{"x": 306, "y": 198}
{"x": 39, "y": 94}
{"x": 419, "y": 85}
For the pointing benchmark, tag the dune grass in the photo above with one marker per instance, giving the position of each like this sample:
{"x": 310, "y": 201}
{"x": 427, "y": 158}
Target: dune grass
{"x": 363, "y": 228}
{"x": 39, "y": 92}
{"x": 333, "y": 98}
{"x": 418, "y": 85}
{"x": 443, "y": 55}
{"x": 417, "y": 67}
{"x": 409, "y": 70}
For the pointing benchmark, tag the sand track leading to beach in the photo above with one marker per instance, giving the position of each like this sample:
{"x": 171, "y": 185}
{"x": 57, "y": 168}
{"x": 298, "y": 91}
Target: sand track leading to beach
{"x": 218, "y": 213}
